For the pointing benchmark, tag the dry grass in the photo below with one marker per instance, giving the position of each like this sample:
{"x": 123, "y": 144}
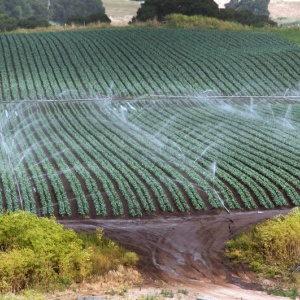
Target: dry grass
{"x": 58, "y": 28}
{"x": 112, "y": 285}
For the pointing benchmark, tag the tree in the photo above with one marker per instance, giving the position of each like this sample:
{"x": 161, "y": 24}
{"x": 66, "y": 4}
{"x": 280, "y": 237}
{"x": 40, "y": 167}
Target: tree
{"x": 94, "y": 18}
{"x": 245, "y": 17}
{"x": 256, "y": 7}
{"x": 33, "y": 22}
{"x": 61, "y": 10}
{"x": 7, "y": 23}
{"x": 160, "y": 8}
{"x": 51, "y": 10}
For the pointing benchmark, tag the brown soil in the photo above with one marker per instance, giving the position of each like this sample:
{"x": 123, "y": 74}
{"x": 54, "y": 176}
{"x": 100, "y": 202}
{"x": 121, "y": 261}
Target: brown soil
{"x": 186, "y": 251}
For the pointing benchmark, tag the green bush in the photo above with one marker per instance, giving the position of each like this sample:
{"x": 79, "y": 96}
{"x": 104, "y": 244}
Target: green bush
{"x": 279, "y": 291}
{"x": 245, "y": 17}
{"x": 94, "y": 18}
{"x": 106, "y": 254}
{"x": 271, "y": 248}
{"x": 167, "y": 293}
{"x": 7, "y": 23}
{"x": 182, "y": 21}
{"x": 33, "y": 22}
{"x": 38, "y": 253}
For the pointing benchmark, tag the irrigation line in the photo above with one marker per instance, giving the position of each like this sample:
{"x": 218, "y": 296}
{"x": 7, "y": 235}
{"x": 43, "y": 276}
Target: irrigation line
{"x": 150, "y": 97}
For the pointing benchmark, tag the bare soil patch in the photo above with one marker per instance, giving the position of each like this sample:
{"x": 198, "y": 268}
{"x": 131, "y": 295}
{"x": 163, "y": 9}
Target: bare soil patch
{"x": 186, "y": 251}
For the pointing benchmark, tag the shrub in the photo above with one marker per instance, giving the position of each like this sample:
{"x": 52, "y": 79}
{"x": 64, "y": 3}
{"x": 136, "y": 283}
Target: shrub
{"x": 106, "y": 254}
{"x": 245, "y": 17}
{"x": 38, "y": 253}
{"x": 33, "y": 22}
{"x": 271, "y": 248}
{"x": 7, "y": 23}
{"x": 94, "y": 18}
{"x": 167, "y": 293}
{"x": 182, "y": 21}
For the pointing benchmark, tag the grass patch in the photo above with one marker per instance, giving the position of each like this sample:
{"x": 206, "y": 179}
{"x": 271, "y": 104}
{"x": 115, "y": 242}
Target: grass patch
{"x": 151, "y": 297}
{"x": 25, "y": 295}
{"x": 290, "y": 33}
{"x": 184, "y": 292}
{"x": 279, "y": 291}
{"x": 60, "y": 28}
{"x": 167, "y": 293}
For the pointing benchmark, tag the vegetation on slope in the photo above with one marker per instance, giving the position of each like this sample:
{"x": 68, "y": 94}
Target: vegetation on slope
{"x": 39, "y": 253}
{"x": 202, "y": 22}
{"x": 271, "y": 249}
{"x": 290, "y": 33}
{"x": 145, "y": 62}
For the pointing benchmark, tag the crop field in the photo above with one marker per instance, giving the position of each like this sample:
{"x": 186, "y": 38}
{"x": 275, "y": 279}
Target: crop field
{"x": 135, "y": 158}
{"x": 131, "y": 63}
{"x": 142, "y": 122}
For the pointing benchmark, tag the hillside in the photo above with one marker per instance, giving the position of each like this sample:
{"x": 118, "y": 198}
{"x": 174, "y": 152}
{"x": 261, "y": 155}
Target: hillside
{"x": 171, "y": 140}
{"x": 156, "y": 130}
{"x": 145, "y": 62}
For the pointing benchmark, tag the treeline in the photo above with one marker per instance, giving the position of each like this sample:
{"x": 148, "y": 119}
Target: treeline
{"x": 33, "y": 13}
{"x": 246, "y": 12}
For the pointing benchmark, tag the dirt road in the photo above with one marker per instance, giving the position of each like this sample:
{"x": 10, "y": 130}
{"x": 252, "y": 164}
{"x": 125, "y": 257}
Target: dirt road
{"x": 187, "y": 251}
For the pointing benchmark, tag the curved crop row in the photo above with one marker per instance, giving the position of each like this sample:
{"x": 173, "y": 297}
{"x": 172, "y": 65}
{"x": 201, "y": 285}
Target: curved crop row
{"x": 143, "y": 62}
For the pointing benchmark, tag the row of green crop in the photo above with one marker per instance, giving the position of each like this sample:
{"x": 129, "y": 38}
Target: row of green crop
{"x": 140, "y": 157}
{"x": 232, "y": 141}
{"x": 138, "y": 62}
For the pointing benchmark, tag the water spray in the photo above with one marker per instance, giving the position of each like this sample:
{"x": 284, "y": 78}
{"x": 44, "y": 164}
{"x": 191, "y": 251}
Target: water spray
{"x": 214, "y": 169}
{"x": 9, "y": 156}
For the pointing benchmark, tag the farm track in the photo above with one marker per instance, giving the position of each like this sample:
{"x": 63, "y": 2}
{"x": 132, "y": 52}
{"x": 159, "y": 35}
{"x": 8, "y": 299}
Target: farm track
{"x": 182, "y": 250}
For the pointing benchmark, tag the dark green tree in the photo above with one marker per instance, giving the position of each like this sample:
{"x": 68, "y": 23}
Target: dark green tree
{"x": 160, "y": 8}
{"x": 7, "y": 23}
{"x": 51, "y": 10}
{"x": 94, "y": 18}
{"x": 256, "y": 7}
{"x": 33, "y": 22}
{"x": 245, "y": 17}
{"x": 61, "y": 10}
